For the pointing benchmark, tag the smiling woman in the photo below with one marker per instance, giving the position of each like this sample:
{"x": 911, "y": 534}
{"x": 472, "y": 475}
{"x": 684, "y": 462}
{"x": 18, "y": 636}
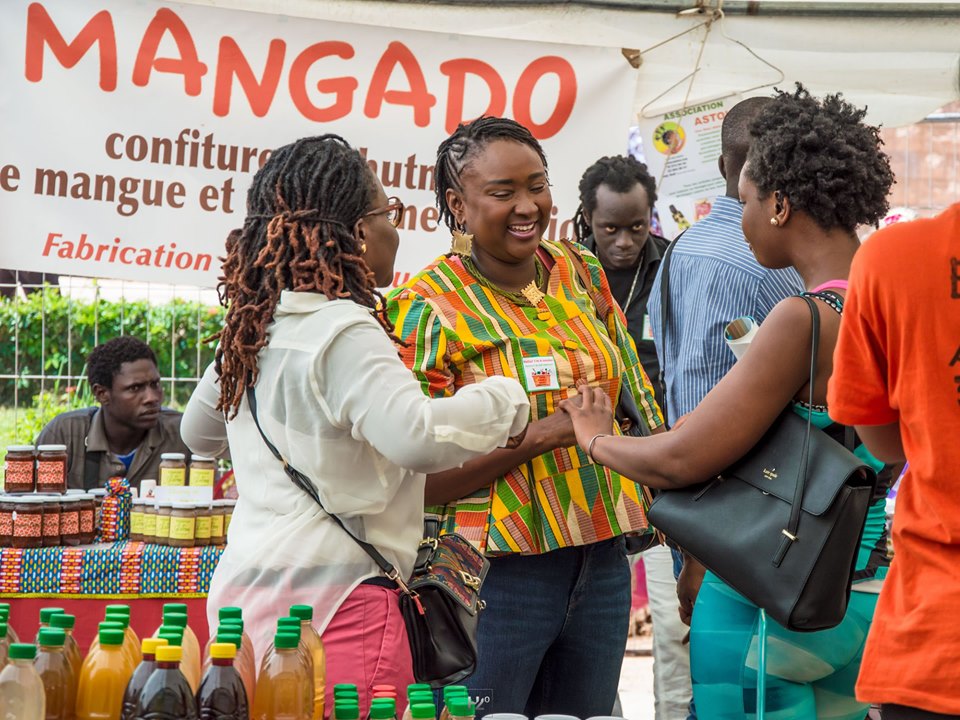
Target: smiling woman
{"x": 508, "y": 302}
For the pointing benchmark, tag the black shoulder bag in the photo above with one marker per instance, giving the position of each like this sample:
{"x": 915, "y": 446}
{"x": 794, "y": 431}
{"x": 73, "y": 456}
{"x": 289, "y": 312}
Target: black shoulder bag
{"x": 782, "y": 525}
{"x": 440, "y": 603}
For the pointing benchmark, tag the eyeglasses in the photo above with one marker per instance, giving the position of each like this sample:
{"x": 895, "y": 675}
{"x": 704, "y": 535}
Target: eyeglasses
{"x": 393, "y": 210}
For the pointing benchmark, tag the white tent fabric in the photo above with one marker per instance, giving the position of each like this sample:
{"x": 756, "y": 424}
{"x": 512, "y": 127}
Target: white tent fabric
{"x": 902, "y": 65}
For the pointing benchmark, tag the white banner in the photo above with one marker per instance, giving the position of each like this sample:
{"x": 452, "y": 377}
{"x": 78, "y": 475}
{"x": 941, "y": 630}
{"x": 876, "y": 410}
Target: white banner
{"x": 130, "y": 131}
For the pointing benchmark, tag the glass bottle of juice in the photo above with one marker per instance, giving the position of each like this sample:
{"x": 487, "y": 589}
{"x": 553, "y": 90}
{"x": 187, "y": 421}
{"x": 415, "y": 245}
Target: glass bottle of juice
{"x": 311, "y": 639}
{"x": 21, "y": 690}
{"x": 450, "y": 692}
{"x": 103, "y": 678}
{"x": 142, "y": 673}
{"x": 70, "y": 648}
{"x": 222, "y": 695}
{"x": 59, "y": 682}
{"x": 383, "y": 709}
{"x": 284, "y": 690}
{"x": 243, "y": 665}
{"x": 166, "y": 694}
{"x": 45, "y": 615}
{"x": 131, "y": 641}
{"x": 192, "y": 664}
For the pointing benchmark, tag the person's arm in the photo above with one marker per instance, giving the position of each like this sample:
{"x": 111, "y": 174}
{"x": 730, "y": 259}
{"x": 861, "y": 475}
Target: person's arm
{"x": 203, "y": 427}
{"x": 883, "y": 441}
{"x": 726, "y": 424}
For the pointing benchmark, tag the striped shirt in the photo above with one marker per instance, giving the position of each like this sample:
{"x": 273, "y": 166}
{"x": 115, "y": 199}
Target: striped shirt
{"x": 459, "y": 331}
{"x": 714, "y": 278}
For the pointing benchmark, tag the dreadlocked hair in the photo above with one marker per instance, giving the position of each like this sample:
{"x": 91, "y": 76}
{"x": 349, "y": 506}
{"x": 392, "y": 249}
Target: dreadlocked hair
{"x": 298, "y": 235}
{"x": 618, "y": 172}
{"x": 455, "y": 153}
{"x": 821, "y": 155}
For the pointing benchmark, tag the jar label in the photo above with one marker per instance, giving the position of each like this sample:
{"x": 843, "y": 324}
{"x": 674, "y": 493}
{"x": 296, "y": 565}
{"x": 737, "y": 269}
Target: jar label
{"x": 182, "y": 528}
{"x": 70, "y": 522}
{"x": 149, "y": 528}
{"x": 27, "y": 524}
{"x": 86, "y": 521}
{"x": 204, "y": 527}
{"x": 226, "y": 522}
{"x": 163, "y": 526}
{"x": 136, "y": 523}
{"x": 51, "y": 523}
{"x": 6, "y": 523}
{"x": 18, "y": 475}
{"x": 172, "y": 476}
{"x": 51, "y": 473}
{"x": 216, "y": 525}
{"x": 201, "y": 477}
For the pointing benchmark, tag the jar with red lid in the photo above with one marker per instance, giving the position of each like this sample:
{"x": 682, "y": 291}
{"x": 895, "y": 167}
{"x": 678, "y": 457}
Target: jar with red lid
{"x": 27, "y": 522}
{"x": 6, "y": 520}
{"x": 19, "y": 472}
{"x": 52, "y": 468}
{"x": 88, "y": 532}
{"x": 70, "y": 519}
{"x": 51, "y": 520}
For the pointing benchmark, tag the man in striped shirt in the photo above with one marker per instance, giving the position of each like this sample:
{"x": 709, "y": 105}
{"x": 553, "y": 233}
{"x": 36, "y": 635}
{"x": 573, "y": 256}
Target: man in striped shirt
{"x": 713, "y": 279}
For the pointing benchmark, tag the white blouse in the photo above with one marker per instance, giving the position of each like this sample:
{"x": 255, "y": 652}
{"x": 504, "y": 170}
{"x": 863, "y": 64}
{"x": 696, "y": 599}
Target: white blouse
{"x": 334, "y": 397}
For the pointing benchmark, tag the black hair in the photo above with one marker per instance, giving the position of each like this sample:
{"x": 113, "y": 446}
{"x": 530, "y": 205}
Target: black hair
{"x": 735, "y": 134}
{"x": 466, "y": 142}
{"x": 618, "y": 172}
{"x": 823, "y": 157}
{"x": 298, "y": 235}
{"x": 104, "y": 361}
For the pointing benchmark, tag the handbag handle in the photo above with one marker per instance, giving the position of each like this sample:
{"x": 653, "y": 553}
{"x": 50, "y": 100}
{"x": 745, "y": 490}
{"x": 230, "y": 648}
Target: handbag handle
{"x": 305, "y": 484}
{"x": 790, "y": 532}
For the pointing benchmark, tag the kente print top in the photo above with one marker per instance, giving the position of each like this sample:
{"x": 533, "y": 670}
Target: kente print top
{"x": 460, "y": 331}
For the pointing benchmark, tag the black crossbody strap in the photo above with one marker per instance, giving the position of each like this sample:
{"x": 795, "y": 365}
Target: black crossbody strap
{"x": 305, "y": 484}
{"x": 790, "y": 532}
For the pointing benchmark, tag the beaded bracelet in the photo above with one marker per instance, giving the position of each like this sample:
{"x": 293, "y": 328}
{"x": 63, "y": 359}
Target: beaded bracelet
{"x": 590, "y": 445}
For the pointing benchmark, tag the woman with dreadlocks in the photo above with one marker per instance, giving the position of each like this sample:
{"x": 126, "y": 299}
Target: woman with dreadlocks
{"x": 304, "y": 331}
{"x": 507, "y": 302}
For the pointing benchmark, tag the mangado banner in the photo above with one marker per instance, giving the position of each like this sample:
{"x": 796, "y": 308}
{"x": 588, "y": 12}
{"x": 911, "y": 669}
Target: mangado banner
{"x": 130, "y": 131}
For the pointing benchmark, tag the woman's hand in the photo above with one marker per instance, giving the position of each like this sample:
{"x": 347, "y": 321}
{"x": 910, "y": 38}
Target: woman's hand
{"x": 592, "y": 416}
{"x": 688, "y": 587}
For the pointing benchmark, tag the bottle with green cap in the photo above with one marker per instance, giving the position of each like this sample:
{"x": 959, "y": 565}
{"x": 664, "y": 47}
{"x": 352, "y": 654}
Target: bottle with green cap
{"x": 292, "y": 624}
{"x": 423, "y": 711}
{"x": 21, "y": 690}
{"x": 131, "y": 641}
{"x": 113, "y": 623}
{"x": 311, "y": 639}
{"x": 59, "y": 682}
{"x": 283, "y": 687}
{"x": 192, "y": 663}
{"x": 459, "y": 707}
{"x": 228, "y": 615}
{"x": 65, "y": 622}
{"x": 5, "y": 617}
{"x": 167, "y": 694}
{"x": 243, "y": 663}
{"x": 417, "y": 697}
{"x": 383, "y": 709}
{"x": 4, "y": 644}
{"x": 222, "y": 695}
{"x": 346, "y": 710}
{"x": 45, "y": 615}
{"x": 450, "y": 692}
{"x": 148, "y": 651}
{"x": 103, "y": 677}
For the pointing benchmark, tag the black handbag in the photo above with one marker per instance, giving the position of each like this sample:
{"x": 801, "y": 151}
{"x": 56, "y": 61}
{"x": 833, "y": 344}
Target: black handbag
{"x": 782, "y": 526}
{"x": 440, "y": 602}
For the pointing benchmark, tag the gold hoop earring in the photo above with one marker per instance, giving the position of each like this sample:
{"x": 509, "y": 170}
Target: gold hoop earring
{"x": 774, "y": 221}
{"x": 462, "y": 243}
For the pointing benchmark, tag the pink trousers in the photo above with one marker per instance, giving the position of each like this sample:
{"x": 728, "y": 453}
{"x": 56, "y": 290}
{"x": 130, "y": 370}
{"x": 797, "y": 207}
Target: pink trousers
{"x": 366, "y": 644}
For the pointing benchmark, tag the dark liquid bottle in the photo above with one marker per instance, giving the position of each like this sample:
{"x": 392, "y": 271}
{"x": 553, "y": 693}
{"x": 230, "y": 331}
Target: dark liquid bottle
{"x": 222, "y": 695}
{"x": 166, "y": 694}
{"x": 140, "y": 676}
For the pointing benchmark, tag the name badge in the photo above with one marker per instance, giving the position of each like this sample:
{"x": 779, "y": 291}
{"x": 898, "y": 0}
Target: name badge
{"x": 540, "y": 374}
{"x": 647, "y": 328}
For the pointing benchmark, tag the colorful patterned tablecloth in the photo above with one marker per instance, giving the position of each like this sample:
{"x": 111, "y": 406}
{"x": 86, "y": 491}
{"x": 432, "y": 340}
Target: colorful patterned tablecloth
{"x": 122, "y": 569}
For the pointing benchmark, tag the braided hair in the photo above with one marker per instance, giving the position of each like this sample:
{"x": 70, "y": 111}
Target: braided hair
{"x": 821, "y": 155}
{"x": 465, "y": 143}
{"x": 618, "y": 172}
{"x": 298, "y": 235}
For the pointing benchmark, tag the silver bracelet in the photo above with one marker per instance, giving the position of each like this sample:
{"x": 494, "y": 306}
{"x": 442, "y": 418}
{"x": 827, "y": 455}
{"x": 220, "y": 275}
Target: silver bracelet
{"x": 590, "y": 445}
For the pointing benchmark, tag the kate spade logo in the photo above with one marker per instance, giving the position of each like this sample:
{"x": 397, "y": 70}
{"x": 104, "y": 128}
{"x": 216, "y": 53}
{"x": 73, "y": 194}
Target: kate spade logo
{"x": 770, "y": 473}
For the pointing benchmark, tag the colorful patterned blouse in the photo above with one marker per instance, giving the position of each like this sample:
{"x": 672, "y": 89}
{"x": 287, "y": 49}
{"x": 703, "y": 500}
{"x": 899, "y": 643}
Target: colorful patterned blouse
{"x": 460, "y": 331}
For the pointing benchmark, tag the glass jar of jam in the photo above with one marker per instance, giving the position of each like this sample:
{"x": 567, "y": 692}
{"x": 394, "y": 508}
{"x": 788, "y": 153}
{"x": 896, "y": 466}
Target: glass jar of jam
{"x": 98, "y": 495}
{"x": 27, "y": 522}
{"x": 19, "y": 469}
{"x": 173, "y": 469}
{"x": 164, "y": 511}
{"x": 52, "y": 468}
{"x": 149, "y": 521}
{"x": 70, "y": 520}
{"x": 203, "y": 471}
{"x": 88, "y": 527}
{"x": 7, "y": 507}
{"x": 183, "y": 525}
{"x": 51, "y": 520}
{"x": 137, "y": 509}
{"x": 218, "y": 535}
{"x": 228, "y": 506}
{"x": 204, "y": 532}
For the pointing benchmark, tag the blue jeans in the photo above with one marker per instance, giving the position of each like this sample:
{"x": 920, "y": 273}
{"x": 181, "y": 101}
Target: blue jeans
{"x": 552, "y": 637}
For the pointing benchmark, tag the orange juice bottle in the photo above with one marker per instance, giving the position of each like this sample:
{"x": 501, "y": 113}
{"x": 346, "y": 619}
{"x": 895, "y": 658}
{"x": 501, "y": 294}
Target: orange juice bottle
{"x": 284, "y": 689}
{"x": 311, "y": 639}
{"x": 21, "y": 690}
{"x": 121, "y": 613}
{"x": 222, "y": 695}
{"x": 167, "y": 694}
{"x": 292, "y": 624}
{"x": 53, "y": 667}
{"x": 191, "y": 664}
{"x": 148, "y": 651}
{"x": 103, "y": 678}
{"x": 70, "y": 648}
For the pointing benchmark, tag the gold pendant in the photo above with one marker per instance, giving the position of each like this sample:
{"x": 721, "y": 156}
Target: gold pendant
{"x": 532, "y": 293}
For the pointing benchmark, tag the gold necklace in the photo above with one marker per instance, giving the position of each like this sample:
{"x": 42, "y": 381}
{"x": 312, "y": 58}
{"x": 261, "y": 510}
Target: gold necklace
{"x": 531, "y": 293}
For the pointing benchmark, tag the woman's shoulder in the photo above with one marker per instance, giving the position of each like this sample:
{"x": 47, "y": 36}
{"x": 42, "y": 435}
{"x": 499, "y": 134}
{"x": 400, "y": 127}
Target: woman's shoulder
{"x": 444, "y": 276}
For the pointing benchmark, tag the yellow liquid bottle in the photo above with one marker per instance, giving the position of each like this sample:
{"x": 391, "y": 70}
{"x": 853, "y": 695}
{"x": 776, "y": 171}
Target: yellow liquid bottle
{"x": 121, "y": 613}
{"x": 103, "y": 678}
{"x": 21, "y": 690}
{"x": 284, "y": 690}
{"x": 311, "y": 639}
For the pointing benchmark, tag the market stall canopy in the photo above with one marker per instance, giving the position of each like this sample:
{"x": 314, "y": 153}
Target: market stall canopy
{"x": 898, "y": 58}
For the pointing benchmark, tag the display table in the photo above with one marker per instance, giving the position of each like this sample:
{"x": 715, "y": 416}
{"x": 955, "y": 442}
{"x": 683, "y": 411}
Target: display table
{"x": 82, "y": 580}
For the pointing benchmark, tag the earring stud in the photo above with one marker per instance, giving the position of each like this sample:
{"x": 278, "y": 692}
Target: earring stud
{"x": 363, "y": 248}
{"x": 774, "y": 221}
